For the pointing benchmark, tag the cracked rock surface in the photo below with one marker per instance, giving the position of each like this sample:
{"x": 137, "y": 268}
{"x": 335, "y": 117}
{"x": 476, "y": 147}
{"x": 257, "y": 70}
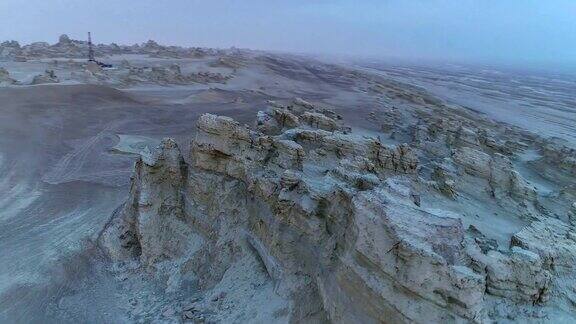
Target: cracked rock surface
{"x": 344, "y": 226}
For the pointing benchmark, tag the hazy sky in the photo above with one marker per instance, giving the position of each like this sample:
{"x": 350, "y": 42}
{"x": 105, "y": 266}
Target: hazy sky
{"x": 530, "y": 32}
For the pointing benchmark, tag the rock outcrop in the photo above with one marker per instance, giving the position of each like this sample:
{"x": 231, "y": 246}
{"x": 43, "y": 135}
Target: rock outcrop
{"x": 168, "y": 75}
{"x": 497, "y": 170}
{"x": 47, "y": 77}
{"x": 5, "y": 78}
{"x": 10, "y": 50}
{"x": 338, "y": 223}
{"x": 154, "y": 203}
{"x": 70, "y": 48}
{"x": 124, "y": 74}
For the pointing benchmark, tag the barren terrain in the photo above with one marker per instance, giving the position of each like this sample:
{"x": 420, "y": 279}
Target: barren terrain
{"x": 357, "y": 192}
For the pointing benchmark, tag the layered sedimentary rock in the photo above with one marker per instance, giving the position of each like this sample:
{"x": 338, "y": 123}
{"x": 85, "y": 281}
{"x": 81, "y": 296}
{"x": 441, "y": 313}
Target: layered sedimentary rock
{"x": 168, "y": 75}
{"x": 342, "y": 223}
{"x": 497, "y": 170}
{"x": 47, "y": 77}
{"x": 150, "y": 218}
{"x": 5, "y": 78}
{"x": 70, "y": 48}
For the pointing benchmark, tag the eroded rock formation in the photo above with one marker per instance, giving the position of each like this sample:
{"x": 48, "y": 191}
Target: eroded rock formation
{"x": 47, "y": 77}
{"x": 168, "y": 75}
{"x": 343, "y": 224}
{"x": 70, "y": 48}
{"x": 5, "y": 78}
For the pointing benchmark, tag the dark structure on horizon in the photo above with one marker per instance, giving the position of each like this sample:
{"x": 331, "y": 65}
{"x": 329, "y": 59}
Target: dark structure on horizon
{"x": 91, "y": 57}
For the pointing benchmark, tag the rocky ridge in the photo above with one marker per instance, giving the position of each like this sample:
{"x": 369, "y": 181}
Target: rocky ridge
{"x": 346, "y": 227}
{"x": 70, "y": 48}
{"x": 64, "y": 64}
{"x": 5, "y": 78}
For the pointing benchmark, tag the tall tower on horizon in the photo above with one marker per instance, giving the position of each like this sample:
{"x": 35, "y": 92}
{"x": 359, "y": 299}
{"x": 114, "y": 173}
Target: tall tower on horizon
{"x": 90, "y": 49}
